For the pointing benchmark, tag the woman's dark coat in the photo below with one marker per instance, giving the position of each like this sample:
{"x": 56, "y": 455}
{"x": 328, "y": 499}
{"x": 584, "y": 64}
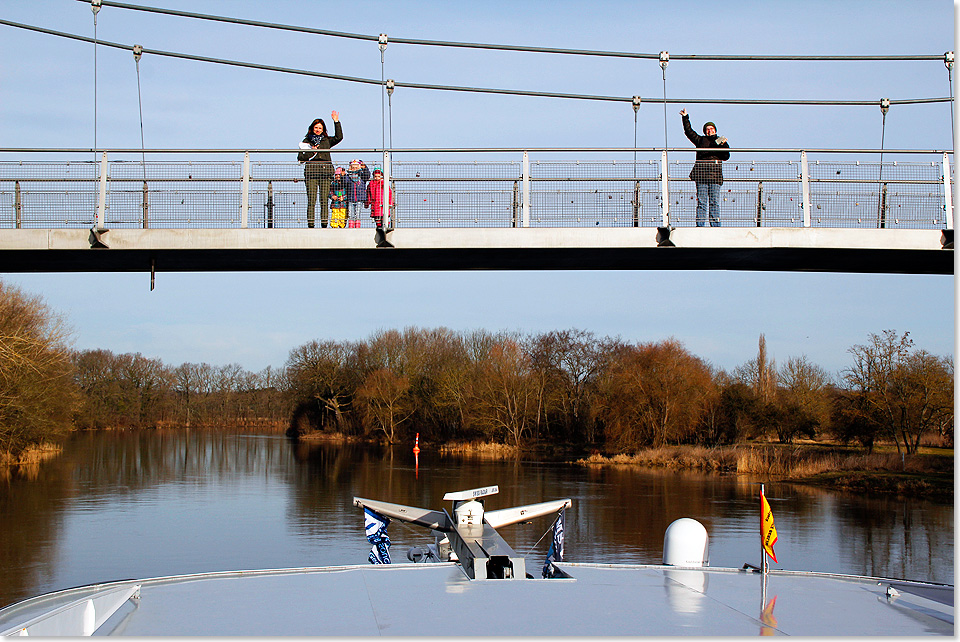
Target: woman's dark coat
{"x": 707, "y": 168}
{"x": 317, "y": 163}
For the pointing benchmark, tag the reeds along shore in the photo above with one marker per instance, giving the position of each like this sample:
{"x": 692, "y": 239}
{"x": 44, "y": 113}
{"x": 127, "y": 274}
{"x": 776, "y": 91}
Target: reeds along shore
{"x": 795, "y": 462}
{"x": 482, "y": 450}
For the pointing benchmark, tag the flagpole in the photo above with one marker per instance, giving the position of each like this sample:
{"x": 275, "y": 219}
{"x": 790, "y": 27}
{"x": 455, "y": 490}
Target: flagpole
{"x": 763, "y": 556}
{"x": 763, "y": 591}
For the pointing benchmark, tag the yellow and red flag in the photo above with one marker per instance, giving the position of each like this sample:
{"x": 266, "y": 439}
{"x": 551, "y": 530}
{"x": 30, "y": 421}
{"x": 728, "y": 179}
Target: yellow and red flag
{"x": 768, "y": 531}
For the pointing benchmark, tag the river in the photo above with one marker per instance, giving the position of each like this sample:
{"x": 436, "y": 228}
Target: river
{"x": 119, "y": 505}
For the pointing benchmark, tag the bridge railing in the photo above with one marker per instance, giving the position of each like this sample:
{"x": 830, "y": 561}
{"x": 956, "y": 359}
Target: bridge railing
{"x": 251, "y": 189}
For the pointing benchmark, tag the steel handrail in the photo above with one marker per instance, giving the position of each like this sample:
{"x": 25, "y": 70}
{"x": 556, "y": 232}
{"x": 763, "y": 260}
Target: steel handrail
{"x": 461, "y": 150}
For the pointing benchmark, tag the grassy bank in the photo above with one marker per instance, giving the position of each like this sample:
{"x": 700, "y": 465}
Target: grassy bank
{"x": 926, "y": 473}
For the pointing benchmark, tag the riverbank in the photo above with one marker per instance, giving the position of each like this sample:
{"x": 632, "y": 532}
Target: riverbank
{"x": 928, "y": 473}
{"x": 27, "y": 463}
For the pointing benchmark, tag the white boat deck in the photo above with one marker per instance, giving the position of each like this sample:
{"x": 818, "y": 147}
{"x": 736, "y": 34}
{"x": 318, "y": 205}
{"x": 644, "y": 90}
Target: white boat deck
{"x": 438, "y": 599}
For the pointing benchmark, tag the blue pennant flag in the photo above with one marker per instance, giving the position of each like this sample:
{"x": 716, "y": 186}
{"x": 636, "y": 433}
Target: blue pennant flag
{"x": 376, "y": 527}
{"x": 555, "y": 554}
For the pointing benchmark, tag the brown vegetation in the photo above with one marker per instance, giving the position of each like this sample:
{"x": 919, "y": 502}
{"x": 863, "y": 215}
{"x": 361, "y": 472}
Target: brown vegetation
{"x": 481, "y": 450}
{"x": 133, "y": 391}
{"x": 36, "y": 392}
{"x": 897, "y": 392}
{"x": 652, "y": 394}
{"x": 831, "y": 465}
{"x": 555, "y": 392}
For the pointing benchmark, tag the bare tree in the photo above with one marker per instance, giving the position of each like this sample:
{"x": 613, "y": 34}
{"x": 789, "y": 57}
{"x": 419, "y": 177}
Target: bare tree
{"x": 37, "y": 391}
{"x": 759, "y": 373}
{"x": 806, "y": 386}
{"x": 326, "y": 372}
{"x": 504, "y": 391}
{"x": 566, "y": 363}
{"x": 905, "y": 392}
{"x": 186, "y": 378}
{"x": 652, "y": 394}
{"x": 386, "y": 401}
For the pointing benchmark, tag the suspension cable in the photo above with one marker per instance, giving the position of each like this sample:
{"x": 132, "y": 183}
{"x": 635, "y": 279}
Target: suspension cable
{"x": 390, "y": 87}
{"x": 137, "y": 52}
{"x": 948, "y": 62}
{"x": 487, "y": 90}
{"x": 884, "y": 108}
{"x": 501, "y": 47}
{"x": 95, "y": 7}
{"x": 664, "y": 61}
{"x": 382, "y": 40}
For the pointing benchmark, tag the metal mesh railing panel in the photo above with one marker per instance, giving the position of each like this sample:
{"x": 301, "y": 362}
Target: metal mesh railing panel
{"x": 782, "y": 205}
{"x": 857, "y": 195}
{"x": 456, "y": 194}
{"x": 49, "y": 194}
{"x": 442, "y": 171}
{"x": 753, "y": 194}
{"x": 562, "y": 193}
{"x": 177, "y": 194}
{"x": 594, "y": 193}
{"x": 482, "y": 207}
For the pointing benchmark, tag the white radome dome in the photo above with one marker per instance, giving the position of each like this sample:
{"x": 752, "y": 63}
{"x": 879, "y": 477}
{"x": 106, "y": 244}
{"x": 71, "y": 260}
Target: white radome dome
{"x": 686, "y": 543}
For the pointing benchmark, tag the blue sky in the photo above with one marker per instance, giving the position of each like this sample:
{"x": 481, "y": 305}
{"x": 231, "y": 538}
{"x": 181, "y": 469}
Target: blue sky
{"x": 254, "y": 319}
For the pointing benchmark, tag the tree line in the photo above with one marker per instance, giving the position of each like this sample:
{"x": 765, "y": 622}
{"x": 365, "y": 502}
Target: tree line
{"x": 133, "y": 391}
{"x": 572, "y": 387}
{"x": 562, "y": 388}
{"x": 48, "y": 389}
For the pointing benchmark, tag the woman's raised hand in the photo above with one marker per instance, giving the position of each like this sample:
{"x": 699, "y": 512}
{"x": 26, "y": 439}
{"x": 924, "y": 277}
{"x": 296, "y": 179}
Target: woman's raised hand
{"x": 335, "y": 115}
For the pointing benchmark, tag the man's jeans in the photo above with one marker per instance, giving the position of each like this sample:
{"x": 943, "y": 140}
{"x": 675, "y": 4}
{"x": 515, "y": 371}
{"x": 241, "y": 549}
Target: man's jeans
{"x": 708, "y": 192}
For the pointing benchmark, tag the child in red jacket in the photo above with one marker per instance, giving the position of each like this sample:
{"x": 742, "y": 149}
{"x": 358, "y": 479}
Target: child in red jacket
{"x": 375, "y": 197}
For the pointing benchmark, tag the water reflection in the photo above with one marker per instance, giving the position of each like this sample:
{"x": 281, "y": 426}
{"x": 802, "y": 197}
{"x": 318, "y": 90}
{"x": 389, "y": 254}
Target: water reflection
{"x": 767, "y": 617}
{"x": 127, "y": 504}
{"x": 686, "y": 590}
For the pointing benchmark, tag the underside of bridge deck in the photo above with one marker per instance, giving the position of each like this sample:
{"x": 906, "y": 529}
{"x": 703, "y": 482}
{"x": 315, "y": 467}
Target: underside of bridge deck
{"x": 767, "y": 249}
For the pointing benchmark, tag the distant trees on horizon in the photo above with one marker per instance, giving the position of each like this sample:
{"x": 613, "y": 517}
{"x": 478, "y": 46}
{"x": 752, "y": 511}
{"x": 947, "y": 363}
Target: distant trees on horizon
{"x": 565, "y": 388}
{"x": 571, "y": 387}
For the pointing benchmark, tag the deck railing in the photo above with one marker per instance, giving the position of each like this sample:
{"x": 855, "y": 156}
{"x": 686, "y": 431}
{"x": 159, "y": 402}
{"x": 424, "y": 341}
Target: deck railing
{"x": 480, "y": 188}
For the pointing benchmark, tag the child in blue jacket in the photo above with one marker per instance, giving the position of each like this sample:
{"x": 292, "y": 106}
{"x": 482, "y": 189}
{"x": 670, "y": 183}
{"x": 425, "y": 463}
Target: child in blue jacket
{"x": 356, "y": 182}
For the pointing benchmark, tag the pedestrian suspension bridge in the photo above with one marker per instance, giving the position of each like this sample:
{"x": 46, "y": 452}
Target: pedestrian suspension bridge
{"x": 228, "y": 210}
{"x": 838, "y": 210}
